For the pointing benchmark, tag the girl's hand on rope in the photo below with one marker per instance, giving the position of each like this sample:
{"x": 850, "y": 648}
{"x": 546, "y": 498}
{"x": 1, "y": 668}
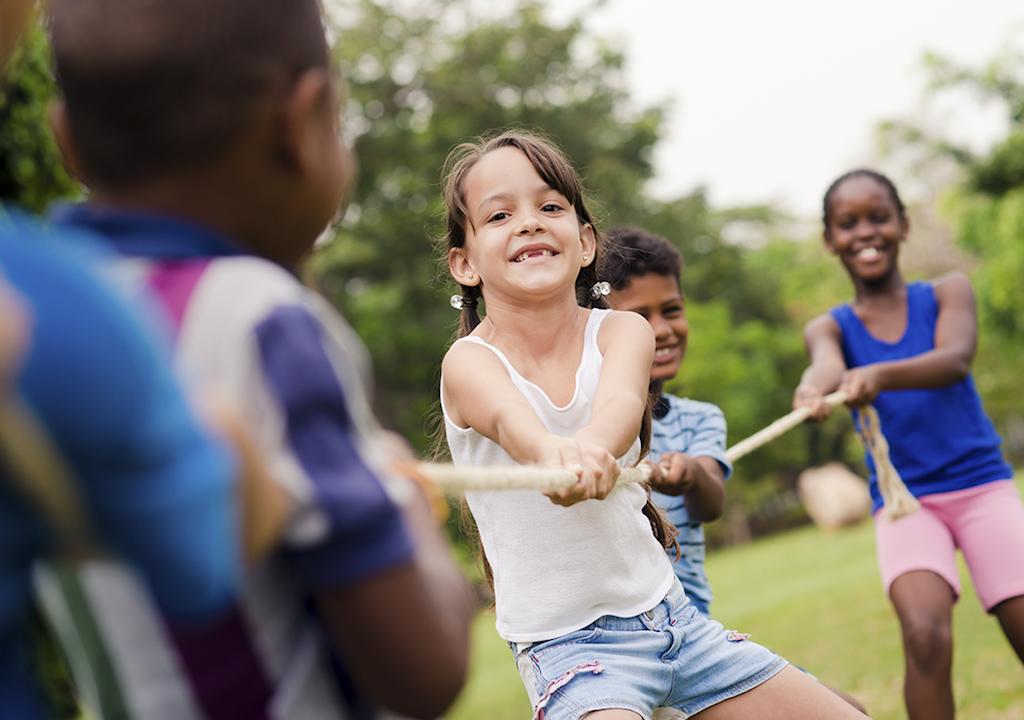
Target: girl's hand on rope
{"x": 808, "y": 396}
{"x": 861, "y": 385}
{"x": 595, "y": 467}
{"x": 673, "y": 474}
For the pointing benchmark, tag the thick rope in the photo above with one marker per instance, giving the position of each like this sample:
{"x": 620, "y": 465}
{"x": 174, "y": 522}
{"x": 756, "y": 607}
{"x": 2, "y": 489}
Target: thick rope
{"x": 897, "y": 499}
{"x": 778, "y": 428}
{"x": 457, "y": 479}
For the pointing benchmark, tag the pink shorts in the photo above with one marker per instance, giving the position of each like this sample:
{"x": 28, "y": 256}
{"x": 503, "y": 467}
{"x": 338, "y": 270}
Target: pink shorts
{"x": 987, "y": 524}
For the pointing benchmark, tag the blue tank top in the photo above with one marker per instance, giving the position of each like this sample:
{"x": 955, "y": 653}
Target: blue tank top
{"x": 940, "y": 439}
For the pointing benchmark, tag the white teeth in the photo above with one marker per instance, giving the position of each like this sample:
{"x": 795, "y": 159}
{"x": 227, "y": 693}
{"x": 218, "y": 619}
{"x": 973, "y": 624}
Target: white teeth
{"x": 868, "y": 253}
{"x": 664, "y": 352}
{"x": 523, "y": 256}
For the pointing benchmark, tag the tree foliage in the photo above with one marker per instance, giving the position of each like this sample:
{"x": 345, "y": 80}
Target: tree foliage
{"x": 987, "y": 210}
{"x": 31, "y": 174}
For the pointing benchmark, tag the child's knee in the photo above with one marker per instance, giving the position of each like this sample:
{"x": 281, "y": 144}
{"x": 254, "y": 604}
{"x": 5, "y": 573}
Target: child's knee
{"x": 928, "y": 640}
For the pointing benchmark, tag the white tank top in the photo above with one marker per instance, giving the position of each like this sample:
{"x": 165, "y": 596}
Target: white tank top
{"x": 557, "y": 569}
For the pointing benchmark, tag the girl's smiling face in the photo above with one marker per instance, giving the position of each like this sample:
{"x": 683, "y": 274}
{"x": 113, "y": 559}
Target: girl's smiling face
{"x": 865, "y": 228}
{"x": 523, "y": 237}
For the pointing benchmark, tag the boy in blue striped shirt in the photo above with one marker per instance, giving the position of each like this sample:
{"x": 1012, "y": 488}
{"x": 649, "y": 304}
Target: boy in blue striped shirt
{"x": 687, "y": 436}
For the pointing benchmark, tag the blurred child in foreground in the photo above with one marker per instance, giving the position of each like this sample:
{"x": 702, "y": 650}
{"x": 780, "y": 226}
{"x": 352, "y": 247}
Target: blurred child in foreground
{"x": 208, "y": 135}
{"x": 156, "y": 490}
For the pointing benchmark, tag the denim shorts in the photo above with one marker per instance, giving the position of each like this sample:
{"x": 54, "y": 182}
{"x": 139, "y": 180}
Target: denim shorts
{"x": 670, "y": 656}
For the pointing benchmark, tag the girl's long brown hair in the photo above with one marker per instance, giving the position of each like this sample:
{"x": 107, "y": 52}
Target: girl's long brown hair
{"x": 554, "y": 168}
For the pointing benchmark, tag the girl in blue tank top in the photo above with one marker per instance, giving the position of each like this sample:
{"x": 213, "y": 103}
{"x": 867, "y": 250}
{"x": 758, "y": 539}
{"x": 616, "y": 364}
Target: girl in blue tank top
{"x": 907, "y": 349}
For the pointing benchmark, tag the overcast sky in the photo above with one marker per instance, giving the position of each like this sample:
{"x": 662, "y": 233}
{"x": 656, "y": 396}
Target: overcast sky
{"x": 773, "y": 98}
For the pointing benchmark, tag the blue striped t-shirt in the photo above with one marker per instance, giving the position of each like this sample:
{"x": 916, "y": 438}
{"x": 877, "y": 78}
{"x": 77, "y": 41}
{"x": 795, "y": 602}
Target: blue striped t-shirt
{"x": 697, "y": 429}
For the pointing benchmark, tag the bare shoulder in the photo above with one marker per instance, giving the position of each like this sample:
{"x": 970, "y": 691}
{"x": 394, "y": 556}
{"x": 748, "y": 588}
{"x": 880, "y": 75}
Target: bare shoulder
{"x": 471, "y": 373}
{"x": 465, "y": 361}
{"x": 822, "y": 326}
{"x": 954, "y": 289}
{"x": 622, "y": 326}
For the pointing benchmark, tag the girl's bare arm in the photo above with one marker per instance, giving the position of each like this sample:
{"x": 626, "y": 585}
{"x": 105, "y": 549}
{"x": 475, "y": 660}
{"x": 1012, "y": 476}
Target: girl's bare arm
{"x": 479, "y": 393}
{"x": 823, "y": 341}
{"x": 626, "y": 341}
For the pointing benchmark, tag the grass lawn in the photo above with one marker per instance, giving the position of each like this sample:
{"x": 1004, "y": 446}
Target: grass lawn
{"x": 816, "y": 599}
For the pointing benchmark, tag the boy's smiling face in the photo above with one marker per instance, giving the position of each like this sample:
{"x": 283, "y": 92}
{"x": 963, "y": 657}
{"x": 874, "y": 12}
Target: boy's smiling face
{"x": 659, "y": 299}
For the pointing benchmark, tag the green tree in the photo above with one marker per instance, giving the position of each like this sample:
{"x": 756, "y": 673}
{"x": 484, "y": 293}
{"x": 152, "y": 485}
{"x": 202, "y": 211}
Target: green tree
{"x": 31, "y": 174}
{"x": 987, "y": 209}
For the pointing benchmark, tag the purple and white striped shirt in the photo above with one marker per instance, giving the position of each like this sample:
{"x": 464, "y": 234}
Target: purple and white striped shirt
{"x": 283, "y": 359}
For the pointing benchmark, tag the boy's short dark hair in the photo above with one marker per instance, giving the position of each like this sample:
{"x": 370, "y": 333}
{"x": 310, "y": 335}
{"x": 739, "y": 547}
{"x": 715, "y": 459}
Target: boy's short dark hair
{"x": 633, "y": 252}
{"x": 154, "y": 88}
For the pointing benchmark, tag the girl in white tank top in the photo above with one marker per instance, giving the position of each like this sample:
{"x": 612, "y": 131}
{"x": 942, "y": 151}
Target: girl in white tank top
{"x": 601, "y": 555}
{"x": 584, "y": 592}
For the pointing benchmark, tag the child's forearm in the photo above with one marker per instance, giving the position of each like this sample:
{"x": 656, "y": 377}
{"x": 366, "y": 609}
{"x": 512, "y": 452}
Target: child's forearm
{"x": 936, "y": 368}
{"x": 615, "y": 424}
{"x": 452, "y": 595}
{"x": 822, "y": 376}
{"x": 705, "y": 499}
{"x": 823, "y": 341}
{"x": 521, "y": 435}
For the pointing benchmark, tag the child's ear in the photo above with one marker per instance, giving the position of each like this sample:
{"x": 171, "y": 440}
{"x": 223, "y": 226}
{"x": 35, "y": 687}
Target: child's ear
{"x": 61, "y": 129}
{"x": 460, "y": 267}
{"x": 588, "y": 240}
{"x": 306, "y": 110}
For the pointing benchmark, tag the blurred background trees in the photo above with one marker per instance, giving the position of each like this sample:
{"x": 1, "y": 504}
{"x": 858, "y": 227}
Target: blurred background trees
{"x": 985, "y": 207}
{"x": 422, "y": 77}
